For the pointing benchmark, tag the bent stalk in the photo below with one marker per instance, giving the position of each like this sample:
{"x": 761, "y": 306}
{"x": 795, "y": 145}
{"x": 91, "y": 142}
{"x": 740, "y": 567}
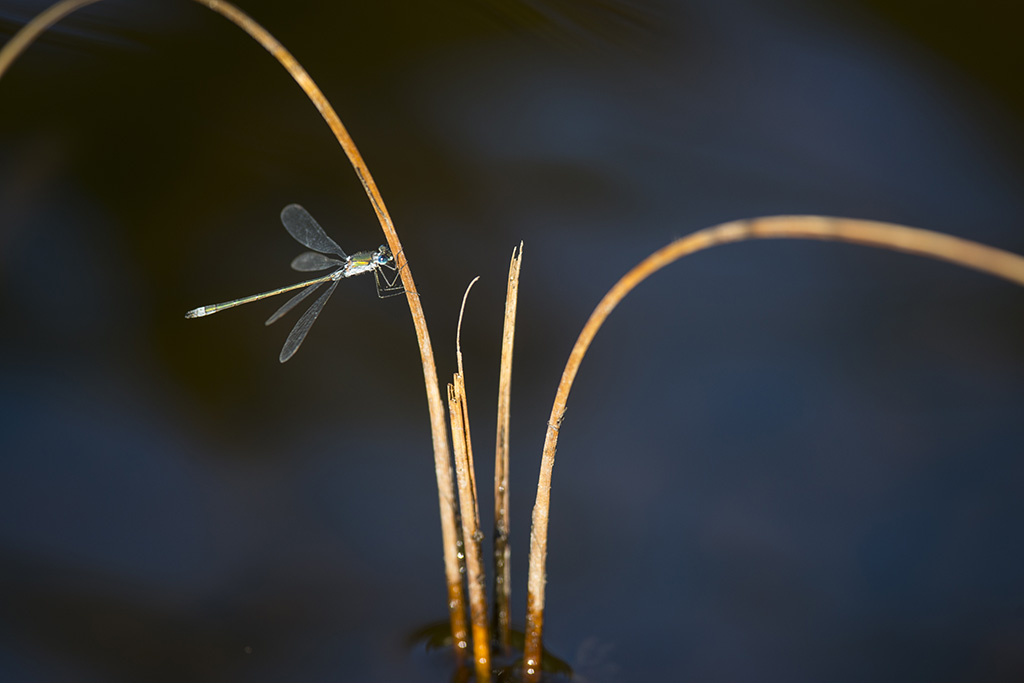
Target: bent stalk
{"x": 445, "y": 488}
{"x": 884, "y": 235}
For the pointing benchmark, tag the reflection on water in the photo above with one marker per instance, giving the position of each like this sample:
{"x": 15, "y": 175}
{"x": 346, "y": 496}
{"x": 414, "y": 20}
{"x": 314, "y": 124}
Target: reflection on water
{"x": 782, "y": 461}
{"x": 434, "y": 642}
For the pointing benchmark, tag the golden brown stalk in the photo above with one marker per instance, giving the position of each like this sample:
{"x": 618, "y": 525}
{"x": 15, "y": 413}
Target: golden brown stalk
{"x": 502, "y": 551}
{"x": 884, "y": 235}
{"x": 458, "y": 412}
{"x": 442, "y": 469}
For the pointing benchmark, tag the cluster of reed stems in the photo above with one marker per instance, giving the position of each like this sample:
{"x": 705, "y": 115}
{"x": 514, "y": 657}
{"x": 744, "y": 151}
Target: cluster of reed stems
{"x": 871, "y": 233}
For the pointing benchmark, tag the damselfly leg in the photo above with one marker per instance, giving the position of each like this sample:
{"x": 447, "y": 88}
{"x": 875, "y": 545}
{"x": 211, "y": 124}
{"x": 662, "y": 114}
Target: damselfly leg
{"x": 390, "y": 287}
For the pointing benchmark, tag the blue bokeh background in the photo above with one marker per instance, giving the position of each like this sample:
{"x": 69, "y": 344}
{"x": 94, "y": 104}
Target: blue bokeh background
{"x": 782, "y": 461}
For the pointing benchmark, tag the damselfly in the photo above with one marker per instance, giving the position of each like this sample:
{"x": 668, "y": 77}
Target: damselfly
{"x": 327, "y": 254}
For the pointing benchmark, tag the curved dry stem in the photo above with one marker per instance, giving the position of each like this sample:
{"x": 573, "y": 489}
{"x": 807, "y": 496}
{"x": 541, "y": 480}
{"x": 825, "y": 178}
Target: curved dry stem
{"x": 458, "y": 412}
{"x": 442, "y": 469}
{"x": 33, "y": 29}
{"x": 435, "y": 405}
{"x": 885, "y": 235}
{"x": 460, "y": 376}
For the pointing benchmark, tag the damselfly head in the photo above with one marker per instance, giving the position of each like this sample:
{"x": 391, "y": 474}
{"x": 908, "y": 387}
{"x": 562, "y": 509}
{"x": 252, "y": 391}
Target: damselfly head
{"x": 384, "y": 256}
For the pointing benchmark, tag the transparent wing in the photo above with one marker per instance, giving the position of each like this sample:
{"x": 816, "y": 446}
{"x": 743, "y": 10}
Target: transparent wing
{"x": 298, "y": 333}
{"x": 311, "y": 260}
{"x": 292, "y": 303}
{"x": 307, "y": 231}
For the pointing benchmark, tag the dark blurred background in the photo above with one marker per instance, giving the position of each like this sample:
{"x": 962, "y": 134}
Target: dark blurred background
{"x": 783, "y": 461}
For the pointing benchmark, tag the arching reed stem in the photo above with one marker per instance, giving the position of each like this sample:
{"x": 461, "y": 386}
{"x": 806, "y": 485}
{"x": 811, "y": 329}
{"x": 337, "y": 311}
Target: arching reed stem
{"x": 884, "y": 235}
{"x": 442, "y": 468}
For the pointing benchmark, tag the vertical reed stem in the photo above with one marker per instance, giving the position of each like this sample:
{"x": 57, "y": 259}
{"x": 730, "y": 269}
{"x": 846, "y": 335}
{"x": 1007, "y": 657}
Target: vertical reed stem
{"x": 462, "y": 443}
{"x": 501, "y": 619}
